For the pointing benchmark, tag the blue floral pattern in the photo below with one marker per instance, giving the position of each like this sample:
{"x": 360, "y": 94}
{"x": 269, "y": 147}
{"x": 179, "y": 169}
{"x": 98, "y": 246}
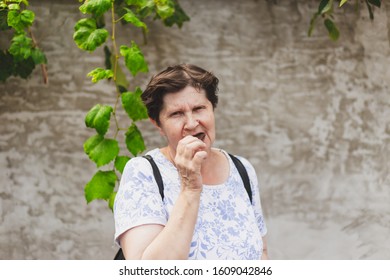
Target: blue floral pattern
{"x": 228, "y": 226}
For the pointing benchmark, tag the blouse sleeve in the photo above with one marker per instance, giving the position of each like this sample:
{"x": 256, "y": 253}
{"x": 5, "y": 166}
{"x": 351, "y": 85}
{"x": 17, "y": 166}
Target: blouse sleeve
{"x": 138, "y": 201}
{"x": 255, "y": 196}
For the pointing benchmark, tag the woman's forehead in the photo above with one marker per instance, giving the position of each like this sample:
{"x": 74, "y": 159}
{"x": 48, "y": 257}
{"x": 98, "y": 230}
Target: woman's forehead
{"x": 188, "y": 95}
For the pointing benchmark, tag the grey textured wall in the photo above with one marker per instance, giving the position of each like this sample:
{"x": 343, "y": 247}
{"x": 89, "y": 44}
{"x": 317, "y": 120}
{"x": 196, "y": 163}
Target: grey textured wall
{"x": 311, "y": 115}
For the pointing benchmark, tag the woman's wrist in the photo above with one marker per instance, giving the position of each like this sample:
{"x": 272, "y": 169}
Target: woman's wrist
{"x": 191, "y": 194}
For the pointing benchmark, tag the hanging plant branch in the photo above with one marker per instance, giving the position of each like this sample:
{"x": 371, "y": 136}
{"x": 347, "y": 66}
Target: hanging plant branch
{"x": 23, "y": 54}
{"x": 326, "y": 12}
{"x": 103, "y": 147}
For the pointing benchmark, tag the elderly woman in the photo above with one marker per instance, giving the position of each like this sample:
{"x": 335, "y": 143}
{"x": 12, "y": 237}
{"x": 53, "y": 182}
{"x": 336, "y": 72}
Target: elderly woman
{"x": 204, "y": 211}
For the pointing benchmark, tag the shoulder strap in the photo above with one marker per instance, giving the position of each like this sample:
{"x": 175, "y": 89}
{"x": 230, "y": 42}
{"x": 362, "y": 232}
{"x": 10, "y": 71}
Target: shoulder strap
{"x": 157, "y": 175}
{"x": 244, "y": 175}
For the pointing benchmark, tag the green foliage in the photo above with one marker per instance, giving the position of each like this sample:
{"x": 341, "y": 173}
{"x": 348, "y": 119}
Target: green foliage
{"x": 87, "y": 36}
{"x": 96, "y": 7}
{"x": 90, "y": 34}
{"x": 326, "y": 12}
{"x": 132, "y": 103}
{"x": 101, "y": 150}
{"x": 101, "y": 186}
{"x": 100, "y": 74}
{"x": 20, "y": 20}
{"x": 120, "y": 162}
{"x": 332, "y": 29}
{"x": 130, "y": 17}
{"x": 23, "y": 54}
{"x": 134, "y": 59}
{"x": 134, "y": 140}
{"x": 99, "y": 118}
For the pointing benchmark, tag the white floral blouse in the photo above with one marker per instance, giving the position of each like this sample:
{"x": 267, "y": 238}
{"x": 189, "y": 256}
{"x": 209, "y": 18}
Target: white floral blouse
{"x": 228, "y": 226}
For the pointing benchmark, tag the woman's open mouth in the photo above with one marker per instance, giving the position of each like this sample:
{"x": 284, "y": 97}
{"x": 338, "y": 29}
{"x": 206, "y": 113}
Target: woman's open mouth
{"x": 201, "y": 136}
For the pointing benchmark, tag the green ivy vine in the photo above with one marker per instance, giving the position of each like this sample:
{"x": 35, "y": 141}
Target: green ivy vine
{"x": 103, "y": 147}
{"x": 326, "y": 11}
{"x": 23, "y": 53}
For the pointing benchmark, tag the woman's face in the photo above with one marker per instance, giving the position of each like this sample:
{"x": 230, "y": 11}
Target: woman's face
{"x": 187, "y": 112}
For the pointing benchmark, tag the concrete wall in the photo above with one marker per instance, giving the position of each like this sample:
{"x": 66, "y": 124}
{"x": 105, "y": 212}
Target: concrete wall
{"x": 312, "y": 116}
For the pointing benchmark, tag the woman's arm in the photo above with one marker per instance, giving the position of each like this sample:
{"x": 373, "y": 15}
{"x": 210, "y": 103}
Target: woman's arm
{"x": 264, "y": 256}
{"x": 173, "y": 240}
{"x": 169, "y": 242}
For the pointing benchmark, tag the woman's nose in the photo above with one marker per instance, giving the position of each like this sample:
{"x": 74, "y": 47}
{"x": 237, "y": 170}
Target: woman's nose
{"x": 191, "y": 123}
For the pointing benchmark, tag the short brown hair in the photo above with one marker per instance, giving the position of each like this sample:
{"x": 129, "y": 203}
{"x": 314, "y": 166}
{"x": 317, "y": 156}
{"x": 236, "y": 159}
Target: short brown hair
{"x": 175, "y": 78}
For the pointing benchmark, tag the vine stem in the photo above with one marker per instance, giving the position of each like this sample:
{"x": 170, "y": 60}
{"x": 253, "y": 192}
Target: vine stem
{"x": 43, "y": 66}
{"x": 116, "y": 57}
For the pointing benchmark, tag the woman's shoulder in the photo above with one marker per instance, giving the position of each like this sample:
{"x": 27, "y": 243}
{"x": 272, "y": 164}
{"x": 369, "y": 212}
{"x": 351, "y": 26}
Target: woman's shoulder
{"x": 246, "y": 163}
{"x": 138, "y": 164}
{"x": 138, "y": 169}
{"x": 243, "y": 159}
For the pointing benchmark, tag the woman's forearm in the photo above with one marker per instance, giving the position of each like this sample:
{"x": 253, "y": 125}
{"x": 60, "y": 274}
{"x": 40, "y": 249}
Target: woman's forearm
{"x": 173, "y": 242}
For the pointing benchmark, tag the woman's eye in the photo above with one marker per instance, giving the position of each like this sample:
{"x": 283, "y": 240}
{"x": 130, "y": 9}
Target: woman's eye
{"x": 175, "y": 114}
{"x": 199, "y": 108}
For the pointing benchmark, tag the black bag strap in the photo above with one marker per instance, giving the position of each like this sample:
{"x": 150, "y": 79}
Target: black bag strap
{"x": 119, "y": 255}
{"x": 157, "y": 175}
{"x": 244, "y": 175}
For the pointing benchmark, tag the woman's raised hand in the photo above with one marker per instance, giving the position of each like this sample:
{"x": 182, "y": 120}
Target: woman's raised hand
{"x": 190, "y": 154}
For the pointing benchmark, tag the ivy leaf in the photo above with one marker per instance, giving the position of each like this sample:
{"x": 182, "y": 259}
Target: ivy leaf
{"x": 120, "y": 163}
{"x": 325, "y": 6}
{"x": 38, "y": 56}
{"x": 134, "y": 141}
{"x": 375, "y": 3}
{"x": 13, "y": 20}
{"x": 96, "y": 7}
{"x": 144, "y": 7}
{"x": 134, "y": 59}
{"x": 21, "y": 47}
{"x": 14, "y": 6}
{"x": 24, "y": 68}
{"x": 312, "y": 24}
{"x": 27, "y": 17}
{"x": 6, "y": 65}
{"x": 133, "y": 105}
{"x": 137, "y": 3}
{"x": 101, "y": 186}
{"x": 107, "y": 58}
{"x": 4, "y": 20}
{"x": 332, "y": 29}
{"x": 101, "y": 150}
{"x": 164, "y": 8}
{"x": 111, "y": 200}
{"x": 134, "y": 20}
{"x": 99, "y": 118}
{"x": 100, "y": 74}
{"x": 342, "y": 2}
{"x": 178, "y": 17}
{"x": 20, "y": 20}
{"x": 87, "y": 36}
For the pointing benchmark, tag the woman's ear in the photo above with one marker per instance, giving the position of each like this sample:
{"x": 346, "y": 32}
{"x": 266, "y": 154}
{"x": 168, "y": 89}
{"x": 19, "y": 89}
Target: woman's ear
{"x": 157, "y": 126}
